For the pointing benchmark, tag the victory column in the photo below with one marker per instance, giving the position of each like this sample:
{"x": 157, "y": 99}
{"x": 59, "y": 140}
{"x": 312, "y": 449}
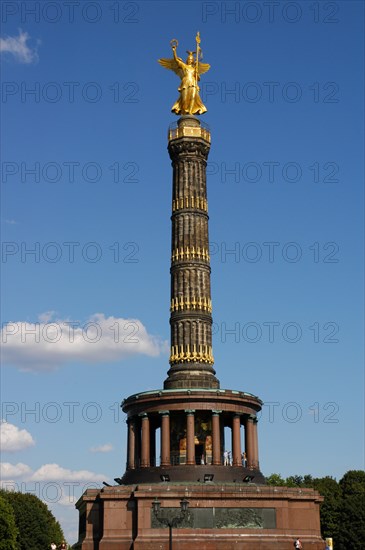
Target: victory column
{"x": 186, "y": 483}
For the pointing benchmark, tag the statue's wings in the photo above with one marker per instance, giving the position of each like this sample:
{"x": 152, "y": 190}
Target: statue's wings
{"x": 203, "y": 67}
{"x": 172, "y": 66}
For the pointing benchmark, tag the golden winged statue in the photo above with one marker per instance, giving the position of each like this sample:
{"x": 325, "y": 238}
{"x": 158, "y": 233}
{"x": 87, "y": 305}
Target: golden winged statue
{"x": 189, "y": 102}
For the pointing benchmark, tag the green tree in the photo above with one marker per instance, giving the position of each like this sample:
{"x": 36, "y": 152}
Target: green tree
{"x": 328, "y": 488}
{"x": 8, "y": 529}
{"x": 343, "y": 511}
{"x": 37, "y": 527}
{"x": 330, "y": 508}
{"x": 275, "y": 480}
{"x": 307, "y": 481}
{"x": 294, "y": 481}
{"x": 352, "y": 511}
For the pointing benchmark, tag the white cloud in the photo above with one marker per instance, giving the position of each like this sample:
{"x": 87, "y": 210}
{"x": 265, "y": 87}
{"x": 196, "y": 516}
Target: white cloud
{"x": 102, "y": 448}
{"x": 58, "y": 487}
{"x": 54, "y": 472}
{"x": 46, "y": 345}
{"x": 46, "y": 316}
{"x": 18, "y": 47}
{"x": 10, "y": 471}
{"x": 49, "y": 473}
{"x": 13, "y": 439}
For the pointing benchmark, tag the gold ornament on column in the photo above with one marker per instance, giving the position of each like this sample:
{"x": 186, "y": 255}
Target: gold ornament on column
{"x": 189, "y": 102}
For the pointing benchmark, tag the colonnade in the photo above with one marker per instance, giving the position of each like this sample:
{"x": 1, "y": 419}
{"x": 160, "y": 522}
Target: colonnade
{"x": 142, "y": 438}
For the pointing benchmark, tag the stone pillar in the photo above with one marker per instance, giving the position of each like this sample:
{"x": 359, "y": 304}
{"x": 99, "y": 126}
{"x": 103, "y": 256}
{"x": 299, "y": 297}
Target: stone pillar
{"x": 216, "y": 437}
{"x": 127, "y": 464}
{"x": 131, "y": 444}
{"x": 249, "y": 441}
{"x": 191, "y": 358}
{"x": 255, "y": 459}
{"x": 190, "y": 437}
{"x": 145, "y": 451}
{"x": 236, "y": 440}
{"x": 165, "y": 438}
{"x": 152, "y": 445}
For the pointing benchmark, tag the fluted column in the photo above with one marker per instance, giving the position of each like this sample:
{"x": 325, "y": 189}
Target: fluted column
{"x": 165, "y": 439}
{"x": 236, "y": 440}
{"x": 216, "y": 434}
{"x": 190, "y": 437}
{"x": 131, "y": 444}
{"x": 145, "y": 451}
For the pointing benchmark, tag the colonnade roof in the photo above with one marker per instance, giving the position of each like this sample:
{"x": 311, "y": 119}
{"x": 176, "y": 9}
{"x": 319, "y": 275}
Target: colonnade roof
{"x": 188, "y": 391}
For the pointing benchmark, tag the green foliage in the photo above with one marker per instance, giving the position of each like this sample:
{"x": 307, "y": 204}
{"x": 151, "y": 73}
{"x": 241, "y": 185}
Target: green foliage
{"x": 294, "y": 481}
{"x": 36, "y": 525}
{"x": 275, "y": 480}
{"x": 307, "y": 480}
{"x": 330, "y": 509}
{"x": 8, "y": 529}
{"x": 291, "y": 481}
{"x": 343, "y": 509}
{"x": 352, "y": 511}
{"x": 353, "y": 483}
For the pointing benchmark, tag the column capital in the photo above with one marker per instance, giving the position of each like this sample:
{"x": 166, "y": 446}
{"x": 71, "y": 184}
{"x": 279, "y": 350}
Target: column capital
{"x": 252, "y": 417}
{"x": 164, "y": 413}
{"x": 216, "y": 412}
{"x": 143, "y": 415}
{"x": 190, "y": 411}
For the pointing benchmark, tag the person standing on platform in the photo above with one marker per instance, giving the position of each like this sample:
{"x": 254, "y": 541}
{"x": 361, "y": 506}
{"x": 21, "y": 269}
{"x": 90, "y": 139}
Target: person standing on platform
{"x": 298, "y": 544}
{"x": 225, "y": 456}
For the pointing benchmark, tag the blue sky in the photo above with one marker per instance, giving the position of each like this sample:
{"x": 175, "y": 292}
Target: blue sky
{"x": 285, "y": 189}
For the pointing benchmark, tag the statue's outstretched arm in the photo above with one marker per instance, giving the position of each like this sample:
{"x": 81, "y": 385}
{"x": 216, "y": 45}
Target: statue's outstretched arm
{"x": 177, "y": 59}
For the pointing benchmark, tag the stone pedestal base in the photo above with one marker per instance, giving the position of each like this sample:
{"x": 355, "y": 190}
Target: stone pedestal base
{"x": 219, "y": 517}
{"x": 191, "y": 474}
{"x": 211, "y": 542}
